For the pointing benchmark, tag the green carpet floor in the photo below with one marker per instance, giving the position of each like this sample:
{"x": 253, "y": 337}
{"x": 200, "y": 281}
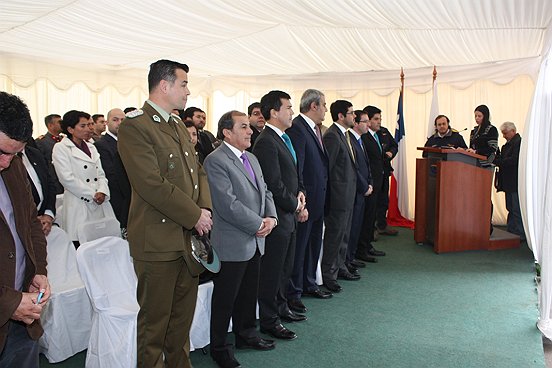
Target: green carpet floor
{"x": 414, "y": 309}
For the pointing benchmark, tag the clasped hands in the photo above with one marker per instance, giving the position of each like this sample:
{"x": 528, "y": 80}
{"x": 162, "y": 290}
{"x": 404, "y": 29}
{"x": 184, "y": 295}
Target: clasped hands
{"x": 29, "y": 310}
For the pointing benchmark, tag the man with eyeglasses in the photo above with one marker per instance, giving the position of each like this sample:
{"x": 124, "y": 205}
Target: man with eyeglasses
{"x": 256, "y": 122}
{"x": 340, "y": 202}
{"x": 23, "y": 244}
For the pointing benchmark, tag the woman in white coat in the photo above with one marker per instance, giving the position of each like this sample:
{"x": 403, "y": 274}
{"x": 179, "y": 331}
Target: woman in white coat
{"x": 79, "y": 170}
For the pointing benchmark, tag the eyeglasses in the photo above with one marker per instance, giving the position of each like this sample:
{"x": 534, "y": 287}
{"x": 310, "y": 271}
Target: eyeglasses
{"x": 364, "y": 121}
{"x": 350, "y": 112}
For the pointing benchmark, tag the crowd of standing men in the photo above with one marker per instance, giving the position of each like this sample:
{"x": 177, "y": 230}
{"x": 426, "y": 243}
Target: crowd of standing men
{"x": 274, "y": 191}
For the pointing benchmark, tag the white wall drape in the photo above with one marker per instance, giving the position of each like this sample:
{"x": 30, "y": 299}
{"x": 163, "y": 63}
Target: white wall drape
{"x": 535, "y": 187}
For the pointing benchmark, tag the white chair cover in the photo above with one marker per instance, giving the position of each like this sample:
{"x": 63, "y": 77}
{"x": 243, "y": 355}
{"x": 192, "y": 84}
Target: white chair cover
{"x": 199, "y": 332}
{"x": 67, "y": 317}
{"x": 108, "y": 274}
{"x": 92, "y": 230}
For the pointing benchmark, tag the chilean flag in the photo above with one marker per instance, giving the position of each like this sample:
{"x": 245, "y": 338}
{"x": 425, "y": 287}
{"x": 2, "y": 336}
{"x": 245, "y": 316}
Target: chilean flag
{"x": 398, "y": 194}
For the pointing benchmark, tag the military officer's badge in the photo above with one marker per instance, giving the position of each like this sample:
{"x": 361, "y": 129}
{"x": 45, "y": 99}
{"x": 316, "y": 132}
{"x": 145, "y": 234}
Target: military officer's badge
{"x": 156, "y": 118}
{"x": 134, "y": 113}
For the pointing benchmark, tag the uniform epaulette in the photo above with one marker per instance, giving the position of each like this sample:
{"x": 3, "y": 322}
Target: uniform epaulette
{"x": 40, "y": 137}
{"x": 134, "y": 113}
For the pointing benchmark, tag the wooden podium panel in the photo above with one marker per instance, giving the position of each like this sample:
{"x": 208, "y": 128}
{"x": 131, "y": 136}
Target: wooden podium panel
{"x": 463, "y": 207}
{"x": 453, "y": 203}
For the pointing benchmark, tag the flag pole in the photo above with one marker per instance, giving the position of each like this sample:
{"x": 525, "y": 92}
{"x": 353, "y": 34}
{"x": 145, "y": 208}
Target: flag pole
{"x": 434, "y": 75}
{"x": 402, "y": 80}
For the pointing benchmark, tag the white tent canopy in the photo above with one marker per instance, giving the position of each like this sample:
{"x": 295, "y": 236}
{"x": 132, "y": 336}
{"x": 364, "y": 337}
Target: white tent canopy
{"x": 103, "y": 43}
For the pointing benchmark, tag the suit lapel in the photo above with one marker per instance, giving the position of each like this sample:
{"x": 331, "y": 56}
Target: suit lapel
{"x": 163, "y": 125}
{"x": 239, "y": 164}
{"x": 313, "y": 135}
{"x": 280, "y": 142}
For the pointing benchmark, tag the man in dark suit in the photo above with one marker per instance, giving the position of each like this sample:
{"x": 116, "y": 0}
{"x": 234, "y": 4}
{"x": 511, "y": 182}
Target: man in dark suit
{"x": 243, "y": 215}
{"x": 341, "y": 195}
{"x": 256, "y": 121}
{"x": 43, "y": 186}
{"x": 507, "y": 161}
{"x": 312, "y": 166}
{"x": 45, "y": 144}
{"x": 206, "y": 141}
{"x": 374, "y": 151}
{"x": 364, "y": 187}
{"x": 119, "y": 187}
{"x": 23, "y": 244}
{"x": 170, "y": 200}
{"x": 278, "y": 160}
{"x": 390, "y": 149}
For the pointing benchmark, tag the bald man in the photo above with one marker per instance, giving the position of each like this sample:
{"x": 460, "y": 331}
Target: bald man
{"x": 115, "y": 173}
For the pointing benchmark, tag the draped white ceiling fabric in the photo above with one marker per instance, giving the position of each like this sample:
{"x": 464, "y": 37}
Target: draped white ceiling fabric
{"x": 108, "y": 42}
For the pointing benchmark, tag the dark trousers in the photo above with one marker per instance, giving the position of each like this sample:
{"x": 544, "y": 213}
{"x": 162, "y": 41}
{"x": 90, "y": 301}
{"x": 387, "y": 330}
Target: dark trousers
{"x": 383, "y": 204}
{"x": 367, "y": 232}
{"x": 356, "y": 227}
{"x": 336, "y": 240}
{"x": 514, "y": 221}
{"x": 234, "y": 296}
{"x": 19, "y": 350}
{"x": 276, "y": 268}
{"x": 307, "y": 253}
{"x": 167, "y": 295}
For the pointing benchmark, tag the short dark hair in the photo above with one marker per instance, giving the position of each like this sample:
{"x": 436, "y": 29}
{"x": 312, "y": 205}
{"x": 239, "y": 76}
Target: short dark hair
{"x": 358, "y": 114}
{"x": 272, "y": 100}
{"x": 189, "y": 124}
{"x": 371, "y": 111}
{"x": 95, "y": 117}
{"x": 164, "y": 70}
{"x": 189, "y": 112}
{"x": 254, "y": 105}
{"x": 71, "y": 118}
{"x": 129, "y": 109}
{"x": 15, "y": 119}
{"x": 50, "y": 119}
{"x": 226, "y": 121}
{"x": 486, "y": 114}
{"x": 441, "y": 116}
{"x": 339, "y": 106}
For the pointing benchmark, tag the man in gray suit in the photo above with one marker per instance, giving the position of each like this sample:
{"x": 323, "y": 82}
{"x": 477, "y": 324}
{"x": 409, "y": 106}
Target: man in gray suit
{"x": 243, "y": 215}
{"x": 341, "y": 198}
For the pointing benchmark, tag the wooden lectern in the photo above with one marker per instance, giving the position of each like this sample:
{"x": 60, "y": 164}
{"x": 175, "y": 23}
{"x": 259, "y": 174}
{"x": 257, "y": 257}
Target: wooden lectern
{"x": 453, "y": 203}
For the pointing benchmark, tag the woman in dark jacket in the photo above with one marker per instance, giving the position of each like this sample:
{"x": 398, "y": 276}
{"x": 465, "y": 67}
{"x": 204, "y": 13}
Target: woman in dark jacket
{"x": 484, "y": 137}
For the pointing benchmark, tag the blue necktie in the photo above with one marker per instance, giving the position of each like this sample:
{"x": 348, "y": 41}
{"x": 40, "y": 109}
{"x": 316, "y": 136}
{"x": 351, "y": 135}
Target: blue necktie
{"x": 287, "y": 141}
{"x": 360, "y": 143}
{"x": 377, "y": 140}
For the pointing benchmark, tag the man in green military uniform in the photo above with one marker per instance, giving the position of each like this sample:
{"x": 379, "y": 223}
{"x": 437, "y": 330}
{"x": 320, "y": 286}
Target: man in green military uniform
{"x": 170, "y": 198}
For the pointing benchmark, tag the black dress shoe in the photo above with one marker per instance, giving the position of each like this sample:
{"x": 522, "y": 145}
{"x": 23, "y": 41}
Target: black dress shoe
{"x": 292, "y": 317}
{"x": 366, "y": 258}
{"x": 320, "y": 294}
{"x": 225, "y": 359}
{"x": 333, "y": 286}
{"x": 297, "y": 305}
{"x": 388, "y": 231}
{"x": 279, "y": 332}
{"x": 257, "y": 343}
{"x": 357, "y": 264}
{"x": 376, "y": 253}
{"x": 342, "y": 275}
{"x": 352, "y": 269}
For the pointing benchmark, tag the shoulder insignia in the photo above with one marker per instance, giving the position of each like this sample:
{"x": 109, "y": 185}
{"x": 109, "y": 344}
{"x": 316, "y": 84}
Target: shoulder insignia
{"x": 40, "y": 137}
{"x": 156, "y": 118}
{"x": 134, "y": 113}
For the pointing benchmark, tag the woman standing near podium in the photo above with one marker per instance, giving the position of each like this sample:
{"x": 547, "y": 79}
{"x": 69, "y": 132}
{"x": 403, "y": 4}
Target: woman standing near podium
{"x": 484, "y": 141}
{"x": 484, "y": 137}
